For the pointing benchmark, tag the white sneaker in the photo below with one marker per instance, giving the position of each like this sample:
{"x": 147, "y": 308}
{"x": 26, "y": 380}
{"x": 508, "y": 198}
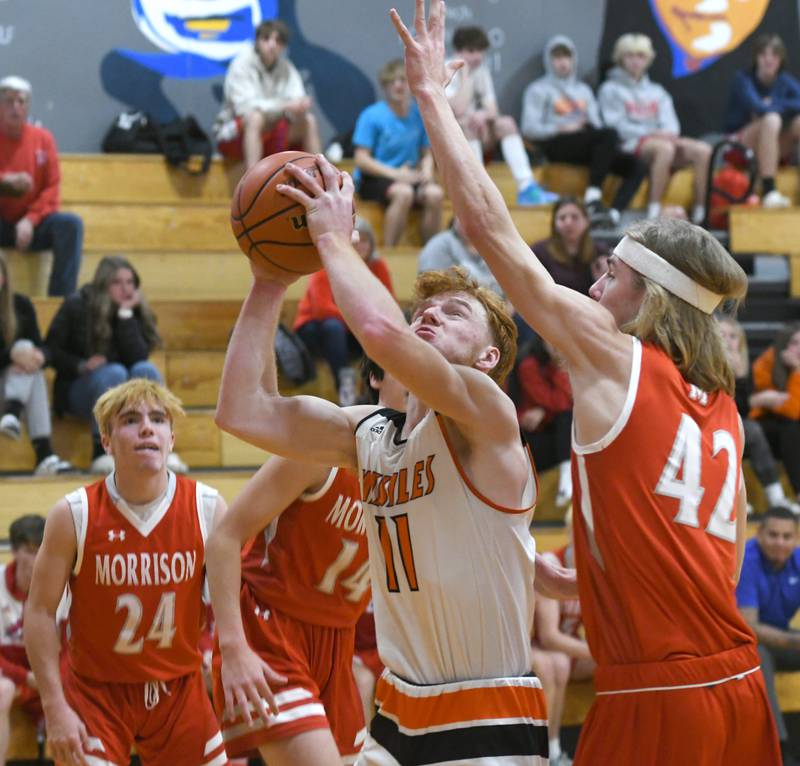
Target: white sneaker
{"x": 174, "y": 463}
{"x": 775, "y": 199}
{"x": 10, "y": 426}
{"x": 784, "y": 502}
{"x": 102, "y": 465}
{"x": 52, "y": 465}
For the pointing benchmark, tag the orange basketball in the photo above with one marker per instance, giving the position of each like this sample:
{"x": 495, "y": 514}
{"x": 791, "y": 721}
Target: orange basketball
{"x": 270, "y": 226}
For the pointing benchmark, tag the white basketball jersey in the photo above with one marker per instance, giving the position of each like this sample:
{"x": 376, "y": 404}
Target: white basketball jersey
{"x": 452, "y": 572}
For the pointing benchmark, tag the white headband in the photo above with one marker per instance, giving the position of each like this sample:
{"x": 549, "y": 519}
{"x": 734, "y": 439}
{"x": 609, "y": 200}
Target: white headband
{"x": 653, "y": 266}
{"x": 12, "y": 82}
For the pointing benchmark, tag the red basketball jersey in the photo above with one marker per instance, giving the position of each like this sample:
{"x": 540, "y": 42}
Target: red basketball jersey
{"x": 311, "y": 562}
{"x": 137, "y": 589}
{"x": 654, "y": 512}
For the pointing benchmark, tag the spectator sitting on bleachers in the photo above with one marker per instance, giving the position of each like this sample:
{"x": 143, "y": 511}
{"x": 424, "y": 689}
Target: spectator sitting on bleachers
{"x": 569, "y": 252}
{"x": 768, "y": 596}
{"x": 544, "y": 409}
{"x": 23, "y": 388}
{"x": 643, "y": 114}
{"x": 30, "y": 191}
{"x": 100, "y": 337}
{"x": 776, "y": 401}
{"x": 560, "y": 114}
{"x": 764, "y": 113}
{"x": 266, "y": 106}
{"x": 559, "y": 631}
{"x": 321, "y": 326}
{"x": 471, "y": 94}
{"x": 756, "y": 445}
{"x": 17, "y": 683}
{"x": 452, "y": 248}
{"x": 394, "y": 164}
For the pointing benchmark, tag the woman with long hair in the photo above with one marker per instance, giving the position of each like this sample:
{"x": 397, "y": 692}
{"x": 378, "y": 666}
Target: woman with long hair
{"x": 569, "y": 252}
{"x": 102, "y": 336}
{"x": 23, "y": 389}
{"x": 756, "y": 445}
{"x": 776, "y": 402}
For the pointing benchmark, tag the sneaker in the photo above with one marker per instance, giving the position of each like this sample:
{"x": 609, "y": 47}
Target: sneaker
{"x": 775, "y": 199}
{"x": 563, "y": 497}
{"x": 348, "y": 395}
{"x": 533, "y": 194}
{"x": 102, "y": 465}
{"x": 10, "y": 426}
{"x": 562, "y": 760}
{"x": 53, "y": 465}
{"x": 602, "y": 217}
{"x": 175, "y": 464}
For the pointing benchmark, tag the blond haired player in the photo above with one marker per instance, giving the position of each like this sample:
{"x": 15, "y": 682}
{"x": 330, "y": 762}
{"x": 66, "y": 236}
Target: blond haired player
{"x": 660, "y": 506}
{"x": 131, "y": 549}
{"x": 448, "y": 491}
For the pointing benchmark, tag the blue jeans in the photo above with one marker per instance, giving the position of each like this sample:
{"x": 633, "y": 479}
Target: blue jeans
{"x": 331, "y": 340}
{"x": 63, "y": 234}
{"x": 87, "y": 389}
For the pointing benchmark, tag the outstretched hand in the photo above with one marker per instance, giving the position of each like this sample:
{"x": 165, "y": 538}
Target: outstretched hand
{"x": 329, "y": 205}
{"x": 425, "y": 49}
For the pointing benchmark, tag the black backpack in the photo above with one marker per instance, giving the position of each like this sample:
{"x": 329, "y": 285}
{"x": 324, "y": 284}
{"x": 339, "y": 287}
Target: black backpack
{"x": 182, "y": 141}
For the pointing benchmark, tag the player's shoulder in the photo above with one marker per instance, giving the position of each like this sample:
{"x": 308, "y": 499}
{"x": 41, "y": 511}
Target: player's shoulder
{"x": 373, "y": 414}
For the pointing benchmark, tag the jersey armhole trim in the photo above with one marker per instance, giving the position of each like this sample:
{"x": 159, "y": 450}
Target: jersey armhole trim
{"x": 79, "y": 496}
{"x": 627, "y": 408}
{"x": 380, "y": 411}
{"x": 205, "y": 508}
{"x": 310, "y": 497}
{"x": 472, "y": 488}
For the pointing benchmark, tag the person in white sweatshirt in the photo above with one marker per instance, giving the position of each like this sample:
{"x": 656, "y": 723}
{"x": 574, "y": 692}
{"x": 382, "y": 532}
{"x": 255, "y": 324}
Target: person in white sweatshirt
{"x": 643, "y": 114}
{"x": 471, "y": 94}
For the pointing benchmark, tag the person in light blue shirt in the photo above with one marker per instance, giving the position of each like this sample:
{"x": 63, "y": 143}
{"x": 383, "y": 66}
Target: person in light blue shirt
{"x": 768, "y": 595}
{"x": 394, "y": 165}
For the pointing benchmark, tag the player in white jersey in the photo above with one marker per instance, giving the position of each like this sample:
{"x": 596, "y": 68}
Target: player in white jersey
{"x": 449, "y": 493}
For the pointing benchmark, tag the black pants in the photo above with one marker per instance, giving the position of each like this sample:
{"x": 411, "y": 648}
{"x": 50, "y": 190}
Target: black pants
{"x": 776, "y": 658}
{"x": 757, "y": 449}
{"x": 598, "y": 148}
{"x": 783, "y": 435}
{"x": 551, "y": 445}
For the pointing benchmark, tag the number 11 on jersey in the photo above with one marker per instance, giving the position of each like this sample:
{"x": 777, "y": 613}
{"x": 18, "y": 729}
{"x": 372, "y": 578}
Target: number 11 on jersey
{"x": 403, "y": 537}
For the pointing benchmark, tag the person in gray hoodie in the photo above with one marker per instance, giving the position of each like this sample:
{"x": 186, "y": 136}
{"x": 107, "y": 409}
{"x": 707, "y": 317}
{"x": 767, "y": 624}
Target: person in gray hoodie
{"x": 643, "y": 114}
{"x": 560, "y": 114}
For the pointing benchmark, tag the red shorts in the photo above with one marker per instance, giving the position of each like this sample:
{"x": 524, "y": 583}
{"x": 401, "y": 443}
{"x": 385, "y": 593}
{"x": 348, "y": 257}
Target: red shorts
{"x": 320, "y": 693}
{"x": 273, "y": 140}
{"x": 729, "y": 723}
{"x": 180, "y": 729}
{"x": 30, "y": 701}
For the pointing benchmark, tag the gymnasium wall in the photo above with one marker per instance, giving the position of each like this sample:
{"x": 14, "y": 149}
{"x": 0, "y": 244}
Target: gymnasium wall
{"x": 90, "y": 59}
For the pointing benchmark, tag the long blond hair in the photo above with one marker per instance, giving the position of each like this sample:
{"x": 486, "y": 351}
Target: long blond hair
{"x": 8, "y": 319}
{"x": 690, "y": 336}
{"x": 102, "y": 308}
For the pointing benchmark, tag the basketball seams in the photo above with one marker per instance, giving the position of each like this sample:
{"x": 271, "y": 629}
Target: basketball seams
{"x": 279, "y": 228}
{"x": 264, "y": 184}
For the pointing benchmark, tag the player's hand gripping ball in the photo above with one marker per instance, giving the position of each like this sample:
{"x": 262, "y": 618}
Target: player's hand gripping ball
{"x": 269, "y": 227}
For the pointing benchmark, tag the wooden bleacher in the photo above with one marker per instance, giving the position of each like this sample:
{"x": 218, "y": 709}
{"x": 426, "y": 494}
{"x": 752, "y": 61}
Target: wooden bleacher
{"x": 174, "y": 227}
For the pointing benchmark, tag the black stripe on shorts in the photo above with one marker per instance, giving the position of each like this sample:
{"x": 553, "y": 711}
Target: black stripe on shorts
{"x": 454, "y": 744}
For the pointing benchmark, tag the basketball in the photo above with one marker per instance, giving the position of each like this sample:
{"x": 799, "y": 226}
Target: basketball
{"x": 269, "y": 226}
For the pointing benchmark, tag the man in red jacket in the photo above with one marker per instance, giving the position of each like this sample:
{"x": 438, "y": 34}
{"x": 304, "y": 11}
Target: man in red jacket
{"x": 30, "y": 190}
